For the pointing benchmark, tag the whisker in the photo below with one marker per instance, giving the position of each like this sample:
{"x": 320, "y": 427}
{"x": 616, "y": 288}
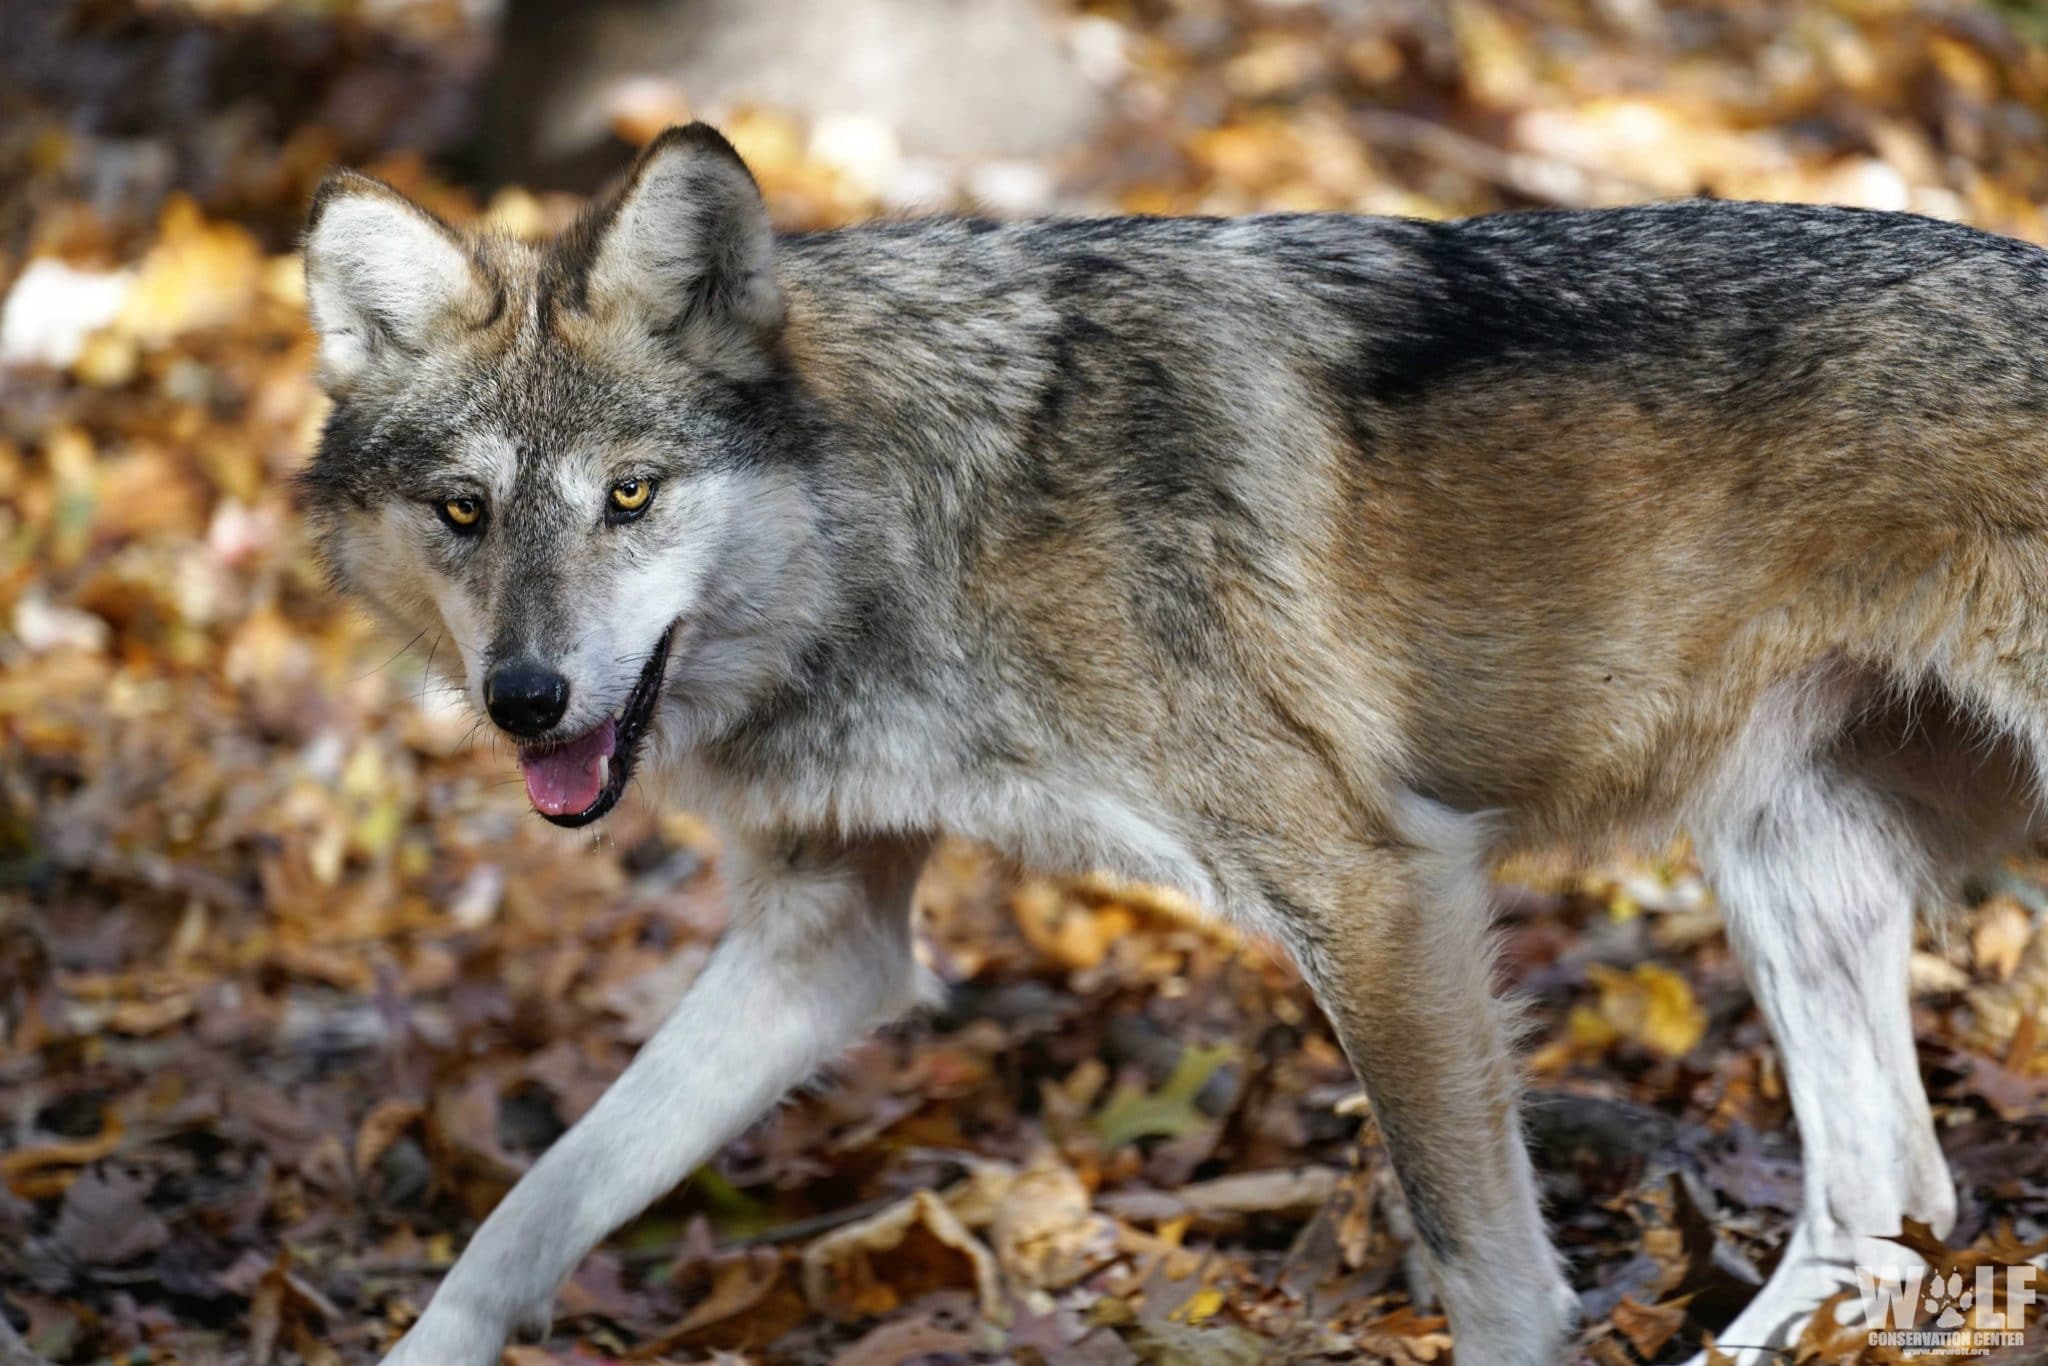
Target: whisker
{"x": 427, "y": 675}
{"x": 394, "y": 658}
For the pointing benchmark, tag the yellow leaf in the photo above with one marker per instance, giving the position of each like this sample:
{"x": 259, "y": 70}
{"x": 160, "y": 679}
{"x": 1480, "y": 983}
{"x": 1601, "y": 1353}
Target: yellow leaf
{"x": 1589, "y": 1029}
{"x": 1651, "y": 1005}
{"x": 2000, "y": 937}
{"x": 197, "y": 274}
{"x": 1499, "y": 67}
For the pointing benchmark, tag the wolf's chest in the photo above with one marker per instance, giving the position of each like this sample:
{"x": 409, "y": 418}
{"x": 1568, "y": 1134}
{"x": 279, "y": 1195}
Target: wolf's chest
{"x": 1053, "y": 822}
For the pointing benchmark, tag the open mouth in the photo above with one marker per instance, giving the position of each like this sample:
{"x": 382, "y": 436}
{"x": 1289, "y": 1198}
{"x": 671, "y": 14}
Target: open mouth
{"x": 574, "y": 782}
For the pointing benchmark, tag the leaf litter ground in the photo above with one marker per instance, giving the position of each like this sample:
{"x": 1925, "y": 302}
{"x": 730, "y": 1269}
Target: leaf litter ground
{"x": 292, "y": 988}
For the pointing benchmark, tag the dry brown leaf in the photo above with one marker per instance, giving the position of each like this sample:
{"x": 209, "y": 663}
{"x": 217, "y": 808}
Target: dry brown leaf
{"x": 738, "y": 1286}
{"x": 1648, "y": 1327}
{"x": 20, "y": 1165}
{"x": 1407, "y": 1336}
{"x": 381, "y": 1127}
{"x": 1045, "y": 1234}
{"x": 1286, "y": 1190}
{"x": 906, "y": 1340}
{"x": 880, "y": 1234}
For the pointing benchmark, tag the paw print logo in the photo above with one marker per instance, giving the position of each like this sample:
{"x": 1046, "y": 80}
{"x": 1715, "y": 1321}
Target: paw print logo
{"x": 1948, "y": 1299}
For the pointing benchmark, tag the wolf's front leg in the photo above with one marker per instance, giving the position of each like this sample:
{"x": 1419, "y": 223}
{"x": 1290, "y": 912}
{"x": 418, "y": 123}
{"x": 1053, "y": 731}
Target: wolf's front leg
{"x": 1397, "y": 948}
{"x": 819, "y": 952}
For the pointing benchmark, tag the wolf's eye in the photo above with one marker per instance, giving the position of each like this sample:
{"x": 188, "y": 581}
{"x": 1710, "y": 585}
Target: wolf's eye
{"x": 464, "y": 513}
{"x": 629, "y": 498}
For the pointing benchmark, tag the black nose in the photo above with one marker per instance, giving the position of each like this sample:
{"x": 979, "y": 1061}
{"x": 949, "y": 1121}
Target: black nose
{"x": 525, "y": 698}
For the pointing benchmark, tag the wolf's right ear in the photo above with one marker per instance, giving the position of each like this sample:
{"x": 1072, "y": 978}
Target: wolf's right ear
{"x": 684, "y": 249}
{"x": 381, "y": 274}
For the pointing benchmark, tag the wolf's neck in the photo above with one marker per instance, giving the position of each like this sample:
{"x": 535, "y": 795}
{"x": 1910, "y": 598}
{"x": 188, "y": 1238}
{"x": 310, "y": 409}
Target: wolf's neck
{"x": 929, "y": 371}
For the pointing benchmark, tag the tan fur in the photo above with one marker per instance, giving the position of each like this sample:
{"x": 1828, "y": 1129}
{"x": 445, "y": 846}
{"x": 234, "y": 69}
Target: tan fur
{"x": 1311, "y": 565}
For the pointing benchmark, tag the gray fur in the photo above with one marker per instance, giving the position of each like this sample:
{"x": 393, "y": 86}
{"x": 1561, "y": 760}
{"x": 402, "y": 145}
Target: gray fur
{"x": 1307, "y": 563}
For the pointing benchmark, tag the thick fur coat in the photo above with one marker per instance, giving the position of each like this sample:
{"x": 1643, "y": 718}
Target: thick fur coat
{"x": 1306, "y": 563}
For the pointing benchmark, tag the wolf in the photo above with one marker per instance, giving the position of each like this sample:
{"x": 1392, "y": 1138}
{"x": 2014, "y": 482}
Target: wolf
{"x": 1309, "y": 564}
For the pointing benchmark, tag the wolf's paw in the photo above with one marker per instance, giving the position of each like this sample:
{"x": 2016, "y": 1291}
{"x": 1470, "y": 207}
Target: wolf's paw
{"x": 448, "y": 1336}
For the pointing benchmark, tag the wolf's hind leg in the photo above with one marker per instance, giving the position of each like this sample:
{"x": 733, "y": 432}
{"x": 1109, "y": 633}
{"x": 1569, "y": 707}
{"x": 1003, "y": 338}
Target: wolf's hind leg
{"x": 1398, "y": 950}
{"x": 1817, "y": 880}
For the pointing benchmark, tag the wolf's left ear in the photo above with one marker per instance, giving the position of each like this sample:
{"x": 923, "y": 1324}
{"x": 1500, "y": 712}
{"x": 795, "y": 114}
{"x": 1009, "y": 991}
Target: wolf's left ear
{"x": 685, "y": 247}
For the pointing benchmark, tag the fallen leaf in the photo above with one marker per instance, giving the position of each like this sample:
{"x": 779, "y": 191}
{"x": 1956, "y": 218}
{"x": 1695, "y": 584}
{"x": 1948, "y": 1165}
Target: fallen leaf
{"x": 1285, "y": 1190}
{"x": 385, "y": 1122}
{"x": 826, "y": 1258}
{"x": 737, "y": 1286}
{"x": 1045, "y": 1234}
{"x": 1650, "y": 1005}
{"x": 1648, "y": 1327}
{"x": 106, "y": 1220}
{"x": 1999, "y": 938}
{"x": 1170, "y": 1112}
{"x": 906, "y": 1340}
{"x": 28, "y": 1161}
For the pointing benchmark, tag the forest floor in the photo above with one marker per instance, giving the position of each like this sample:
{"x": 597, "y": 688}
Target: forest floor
{"x": 292, "y": 987}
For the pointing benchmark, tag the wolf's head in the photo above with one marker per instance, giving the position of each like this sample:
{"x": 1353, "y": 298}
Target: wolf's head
{"x": 579, "y": 465}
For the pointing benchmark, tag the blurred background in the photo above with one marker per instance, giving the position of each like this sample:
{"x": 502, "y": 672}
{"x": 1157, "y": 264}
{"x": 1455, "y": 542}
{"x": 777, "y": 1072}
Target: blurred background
{"x": 291, "y": 985}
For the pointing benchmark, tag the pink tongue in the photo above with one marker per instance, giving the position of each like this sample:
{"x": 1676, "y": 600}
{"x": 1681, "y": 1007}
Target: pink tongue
{"x": 565, "y": 779}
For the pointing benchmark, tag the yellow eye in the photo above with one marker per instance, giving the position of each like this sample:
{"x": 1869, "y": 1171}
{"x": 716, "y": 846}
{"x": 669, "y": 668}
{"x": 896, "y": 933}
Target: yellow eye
{"x": 630, "y": 495}
{"x": 462, "y": 513}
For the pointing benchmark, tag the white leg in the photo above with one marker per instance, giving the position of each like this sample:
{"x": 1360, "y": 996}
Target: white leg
{"x": 1818, "y": 887}
{"x": 819, "y": 952}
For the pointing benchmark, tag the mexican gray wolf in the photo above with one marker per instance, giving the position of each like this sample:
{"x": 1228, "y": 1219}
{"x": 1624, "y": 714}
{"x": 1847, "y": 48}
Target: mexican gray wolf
{"x": 1309, "y": 564}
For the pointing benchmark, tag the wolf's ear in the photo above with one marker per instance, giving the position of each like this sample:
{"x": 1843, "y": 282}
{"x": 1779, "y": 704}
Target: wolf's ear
{"x": 381, "y": 275}
{"x": 685, "y": 248}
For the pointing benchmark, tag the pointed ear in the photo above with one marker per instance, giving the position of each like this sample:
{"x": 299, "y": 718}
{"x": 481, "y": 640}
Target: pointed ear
{"x": 381, "y": 275}
{"x": 685, "y": 248}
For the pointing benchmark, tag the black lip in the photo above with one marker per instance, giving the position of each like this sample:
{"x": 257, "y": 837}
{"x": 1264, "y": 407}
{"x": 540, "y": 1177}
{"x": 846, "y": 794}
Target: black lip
{"x": 633, "y": 724}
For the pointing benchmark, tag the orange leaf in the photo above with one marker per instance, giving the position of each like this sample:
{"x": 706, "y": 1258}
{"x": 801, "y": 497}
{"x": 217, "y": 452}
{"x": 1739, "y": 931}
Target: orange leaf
{"x": 16, "y": 1167}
